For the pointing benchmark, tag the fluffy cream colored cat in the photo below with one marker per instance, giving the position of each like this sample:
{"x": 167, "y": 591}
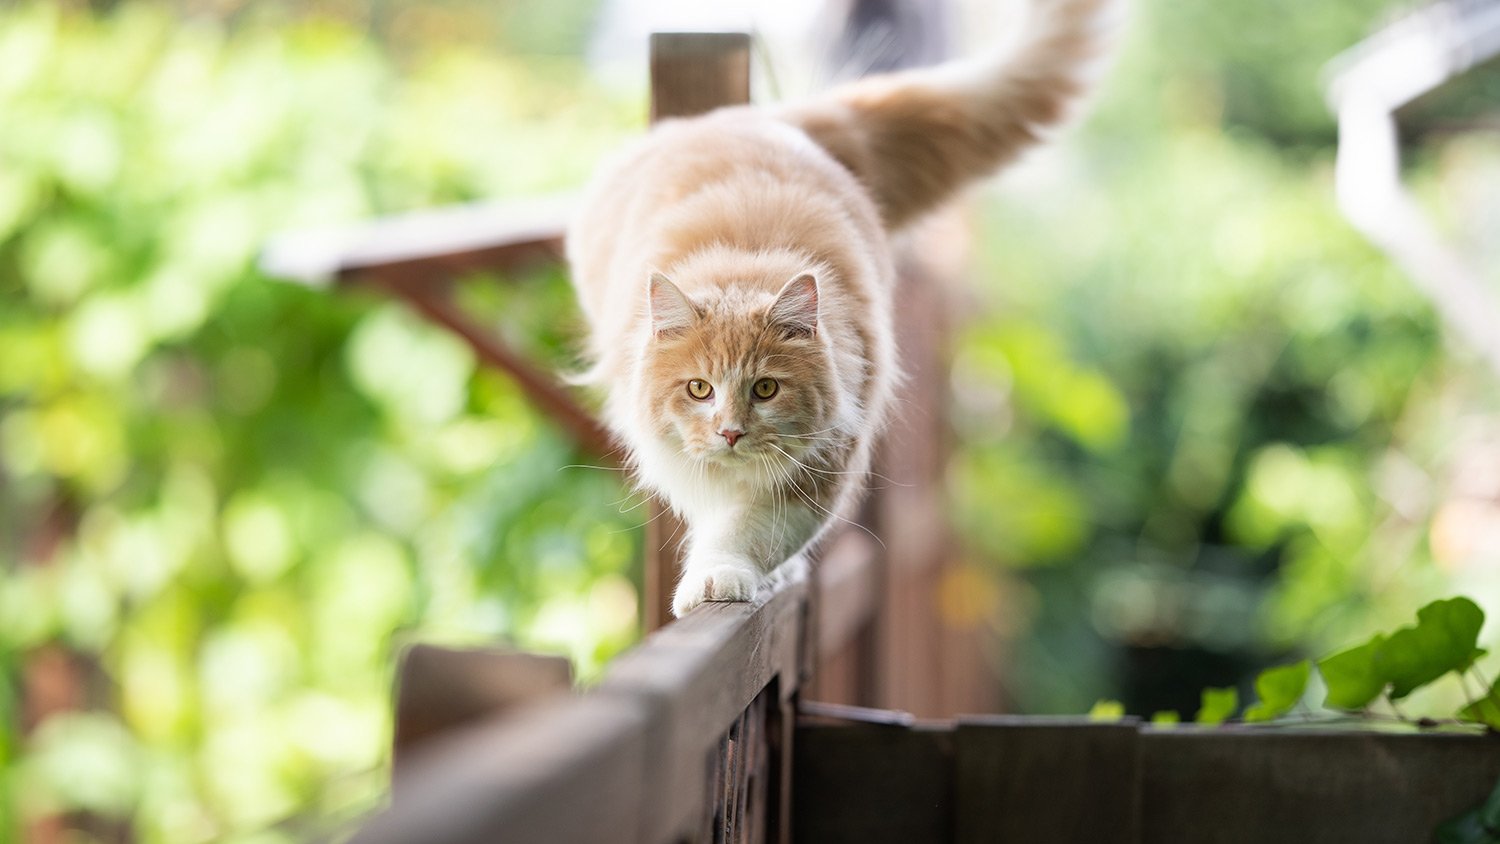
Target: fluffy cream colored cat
{"x": 736, "y": 276}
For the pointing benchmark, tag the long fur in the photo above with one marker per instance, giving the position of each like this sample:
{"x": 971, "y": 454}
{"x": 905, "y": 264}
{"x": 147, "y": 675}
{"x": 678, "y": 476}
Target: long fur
{"x": 915, "y": 137}
{"x": 685, "y": 254}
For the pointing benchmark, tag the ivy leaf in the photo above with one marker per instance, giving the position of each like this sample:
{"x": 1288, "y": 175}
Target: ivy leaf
{"x": 1486, "y": 710}
{"x": 1107, "y": 710}
{"x": 1444, "y": 639}
{"x": 1218, "y": 705}
{"x": 1279, "y": 689}
{"x": 1352, "y": 677}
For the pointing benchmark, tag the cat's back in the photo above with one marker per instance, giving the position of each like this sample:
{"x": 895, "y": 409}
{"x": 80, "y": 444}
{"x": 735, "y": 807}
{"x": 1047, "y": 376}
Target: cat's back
{"x": 737, "y": 178}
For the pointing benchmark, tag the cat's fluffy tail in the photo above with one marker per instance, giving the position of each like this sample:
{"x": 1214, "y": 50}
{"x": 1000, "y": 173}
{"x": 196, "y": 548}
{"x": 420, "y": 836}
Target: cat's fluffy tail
{"x": 916, "y": 137}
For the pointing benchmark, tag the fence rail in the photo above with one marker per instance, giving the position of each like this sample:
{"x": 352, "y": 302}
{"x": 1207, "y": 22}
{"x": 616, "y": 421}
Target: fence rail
{"x": 687, "y": 736}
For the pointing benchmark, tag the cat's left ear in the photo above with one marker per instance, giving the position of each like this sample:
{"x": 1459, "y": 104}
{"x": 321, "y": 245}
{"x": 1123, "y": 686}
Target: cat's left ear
{"x": 670, "y": 309}
{"x": 796, "y": 307}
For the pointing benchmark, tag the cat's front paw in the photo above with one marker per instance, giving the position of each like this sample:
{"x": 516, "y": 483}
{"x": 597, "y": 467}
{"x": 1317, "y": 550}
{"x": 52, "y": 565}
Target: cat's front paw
{"x": 728, "y": 581}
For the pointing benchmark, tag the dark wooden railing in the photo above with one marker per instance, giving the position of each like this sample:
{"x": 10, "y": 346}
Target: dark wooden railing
{"x": 687, "y": 737}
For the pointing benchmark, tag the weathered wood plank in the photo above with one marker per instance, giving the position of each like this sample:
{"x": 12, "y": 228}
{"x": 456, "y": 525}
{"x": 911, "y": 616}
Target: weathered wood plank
{"x": 1248, "y": 786}
{"x": 872, "y": 784}
{"x": 1033, "y": 779}
{"x": 695, "y": 677}
{"x": 566, "y": 774}
{"x": 434, "y": 245}
{"x": 440, "y": 689}
{"x": 629, "y": 760}
{"x": 541, "y": 388}
{"x": 417, "y": 256}
{"x": 695, "y": 72}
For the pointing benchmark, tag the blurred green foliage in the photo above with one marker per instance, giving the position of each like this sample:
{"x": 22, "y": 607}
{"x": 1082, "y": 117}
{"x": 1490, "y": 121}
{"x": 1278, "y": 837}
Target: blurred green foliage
{"x": 1200, "y": 422}
{"x": 225, "y": 501}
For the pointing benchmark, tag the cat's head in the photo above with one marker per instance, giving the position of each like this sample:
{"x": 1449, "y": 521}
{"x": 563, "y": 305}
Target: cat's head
{"x": 742, "y": 380}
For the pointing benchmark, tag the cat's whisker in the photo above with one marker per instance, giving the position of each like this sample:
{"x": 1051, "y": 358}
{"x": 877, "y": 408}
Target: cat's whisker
{"x": 812, "y": 433}
{"x": 663, "y": 512}
{"x": 778, "y": 508}
{"x": 824, "y": 510}
{"x": 590, "y": 466}
{"x": 635, "y": 506}
{"x": 829, "y": 472}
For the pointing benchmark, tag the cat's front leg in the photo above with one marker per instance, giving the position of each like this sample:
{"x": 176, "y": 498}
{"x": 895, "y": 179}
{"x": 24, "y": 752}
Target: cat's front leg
{"x": 730, "y": 552}
{"x": 715, "y": 576}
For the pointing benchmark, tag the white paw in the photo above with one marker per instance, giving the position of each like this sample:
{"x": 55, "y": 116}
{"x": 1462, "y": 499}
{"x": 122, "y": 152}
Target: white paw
{"x": 726, "y": 581}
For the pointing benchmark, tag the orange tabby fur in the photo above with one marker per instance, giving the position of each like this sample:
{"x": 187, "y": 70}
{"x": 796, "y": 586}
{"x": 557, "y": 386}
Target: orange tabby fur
{"x": 752, "y": 243}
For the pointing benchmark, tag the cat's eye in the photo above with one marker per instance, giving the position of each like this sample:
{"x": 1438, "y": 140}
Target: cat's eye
{"x": 765, "y": 388}
{"x": 700, "y": 389}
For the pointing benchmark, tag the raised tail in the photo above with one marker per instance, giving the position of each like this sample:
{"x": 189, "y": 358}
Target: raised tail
{"x": 916, "y": 137}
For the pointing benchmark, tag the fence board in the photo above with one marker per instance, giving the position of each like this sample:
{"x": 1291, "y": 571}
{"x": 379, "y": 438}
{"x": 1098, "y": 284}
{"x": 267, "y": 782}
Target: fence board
{"x": 572, "y": 772}
{"x": 872, "y": 784}
{"x": 442, "y": 688}
{"x": 694, "y": 678}
{"x": 1238, "y": 787}
{"x": 1033, "y": 779}
{"x": 1071, "y": 780}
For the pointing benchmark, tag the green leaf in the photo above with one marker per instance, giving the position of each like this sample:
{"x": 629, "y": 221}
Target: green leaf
{"x": 1486, "y": 710}
{"x": 1107, "y": 710}
{"x": 1465, "y": 829}
{"x": 1352, "y": 677}
{"x": 1279, "y": 689}
{"x": 1166, "y": 718}
{"x": 1218, "y": 705}
{"x": 1444, "y": 639}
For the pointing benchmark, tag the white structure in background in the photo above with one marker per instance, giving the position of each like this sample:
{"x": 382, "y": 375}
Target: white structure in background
{"x": 1370, "y": 82}
{"x": 789, "y": 35}
{"x": 794, "y": 39}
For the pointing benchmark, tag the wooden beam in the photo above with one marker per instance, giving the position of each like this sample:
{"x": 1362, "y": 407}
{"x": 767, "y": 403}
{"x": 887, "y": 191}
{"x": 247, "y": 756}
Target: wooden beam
{"x": 1040, "y": 779}
{"x": 629, "y": 760}
{"x": 695, "y": 72}
{"x": 869, "y": 784}
{"x": 543, "y": 390}
{"x": 1244, "y": 785}
{"x": 694, "y": 677}
{"x": 571, "y": 773}
{"x": 435, "y": 244}
{"x": 441, "y": 689}
{"x": 1071, "y": 779}
{"x": 691, "y": 73}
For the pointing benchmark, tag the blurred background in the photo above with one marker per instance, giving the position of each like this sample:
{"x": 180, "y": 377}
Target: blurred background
{"x": 1202, "y": 425}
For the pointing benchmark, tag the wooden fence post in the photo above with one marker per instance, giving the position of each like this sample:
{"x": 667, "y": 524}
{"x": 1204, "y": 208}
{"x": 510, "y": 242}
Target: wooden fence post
{"x": 691, "y": 73}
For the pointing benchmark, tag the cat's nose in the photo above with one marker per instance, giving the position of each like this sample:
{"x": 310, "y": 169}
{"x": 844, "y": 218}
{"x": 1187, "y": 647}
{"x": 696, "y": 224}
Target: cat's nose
{"x": 731, "y": 435}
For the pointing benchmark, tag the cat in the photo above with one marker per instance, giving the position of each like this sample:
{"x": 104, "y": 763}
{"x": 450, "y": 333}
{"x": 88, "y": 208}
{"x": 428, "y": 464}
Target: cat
{"x": 736, "y": 276}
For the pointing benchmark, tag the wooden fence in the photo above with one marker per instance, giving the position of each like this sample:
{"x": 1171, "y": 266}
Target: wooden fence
{"x": 688, "y": 736}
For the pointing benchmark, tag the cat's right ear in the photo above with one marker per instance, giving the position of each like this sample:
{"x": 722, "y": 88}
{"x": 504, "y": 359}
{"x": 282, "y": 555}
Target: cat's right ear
{"x": 670, "y": 309}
